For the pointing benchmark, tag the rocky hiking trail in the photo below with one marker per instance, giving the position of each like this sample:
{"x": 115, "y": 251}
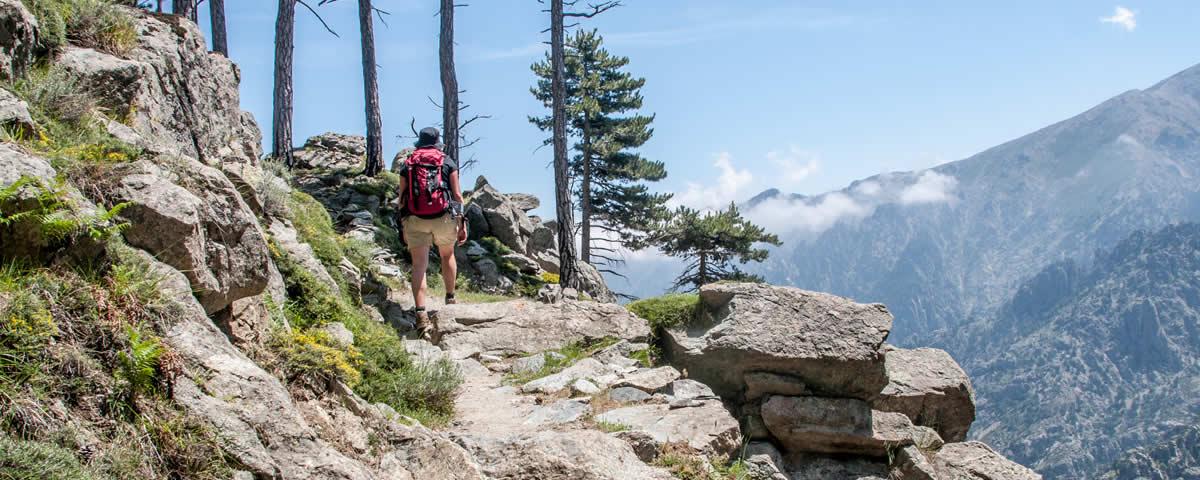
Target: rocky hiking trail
{"x": 805, "y": 388}
{"x": 281, "y": 302}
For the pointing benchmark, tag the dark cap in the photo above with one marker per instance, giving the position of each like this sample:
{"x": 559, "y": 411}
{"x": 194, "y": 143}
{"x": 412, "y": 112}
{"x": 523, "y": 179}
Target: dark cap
{"x": 427, "y": 137}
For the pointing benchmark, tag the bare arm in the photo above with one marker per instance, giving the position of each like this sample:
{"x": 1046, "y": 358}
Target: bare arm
{"x": 454, "y": 189}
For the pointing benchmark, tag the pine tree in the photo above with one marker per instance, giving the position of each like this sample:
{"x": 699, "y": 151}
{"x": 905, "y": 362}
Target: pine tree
{"x": 608, "y": 177}
{"x": 370, "y": 89}
{"x": 285, "y": 42}
{"x": 713, "y": 244}
{"x": 216, "y": 14}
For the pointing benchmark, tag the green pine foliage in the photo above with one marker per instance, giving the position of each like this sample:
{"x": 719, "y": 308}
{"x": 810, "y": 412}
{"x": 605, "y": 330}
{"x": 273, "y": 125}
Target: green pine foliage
{"x": 713, "y": 244}
{"x": 617, "y": 208}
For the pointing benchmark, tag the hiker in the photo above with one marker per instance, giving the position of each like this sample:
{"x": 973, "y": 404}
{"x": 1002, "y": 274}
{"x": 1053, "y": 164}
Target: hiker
{"x": 431, "y": 214}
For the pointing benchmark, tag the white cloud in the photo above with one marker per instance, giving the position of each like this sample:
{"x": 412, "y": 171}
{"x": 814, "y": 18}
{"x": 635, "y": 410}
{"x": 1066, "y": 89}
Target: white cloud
{"x": 730, "y": 184}
{"x": 794, "y": 164}
{"x": 786, "y": 215}
{"x": 931, "y": 187}
{"x": 1122, "y": 17}
{"x": 782, "y": 215}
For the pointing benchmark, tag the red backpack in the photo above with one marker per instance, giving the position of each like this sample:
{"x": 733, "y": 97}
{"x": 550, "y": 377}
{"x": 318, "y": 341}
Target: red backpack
{"x": 428, "y": 190}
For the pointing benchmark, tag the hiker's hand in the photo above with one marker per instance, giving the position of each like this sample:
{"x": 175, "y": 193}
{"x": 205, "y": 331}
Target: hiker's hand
{"x": 462, "y": 233}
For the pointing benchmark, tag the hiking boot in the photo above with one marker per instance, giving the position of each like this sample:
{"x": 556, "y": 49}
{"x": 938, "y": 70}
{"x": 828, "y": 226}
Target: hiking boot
{"x": 450, "y": 299}
{"x": 424, "y": 326}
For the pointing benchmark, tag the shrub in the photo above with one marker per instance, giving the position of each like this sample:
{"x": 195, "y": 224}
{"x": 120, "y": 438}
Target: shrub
{"x": 98, "y": 24}
{"x": 548, "y": 277}
{"x": 315, "y": 228}
{"x": 667, "y": 311}
{"x": 28, "y": 460}
{"x": 311, "y": 357}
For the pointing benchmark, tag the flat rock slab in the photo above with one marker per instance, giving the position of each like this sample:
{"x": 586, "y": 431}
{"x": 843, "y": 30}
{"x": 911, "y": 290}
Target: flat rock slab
{"x": 975, "y": 460}
{"x": 684, "y": 389}
{"x": 589, "y": 369}
{"x": 706, "y": 428}
{"x": 627, "y": 395}
{"x": 928, "y": 386}
{"x": 522, "y": 327}
{"x": 831, "y": 344}
{"x": 650, "y": 380}
{"x": 560, "y": 412}
{"x": 559, "y": 455}
{"x": 841, "y": 426}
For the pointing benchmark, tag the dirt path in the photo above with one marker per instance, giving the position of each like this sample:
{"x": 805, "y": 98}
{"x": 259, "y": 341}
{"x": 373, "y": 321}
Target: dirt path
{"x": 487, "y": 407}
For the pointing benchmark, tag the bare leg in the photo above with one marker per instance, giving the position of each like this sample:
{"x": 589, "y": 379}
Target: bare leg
{"x": 420, "y": 264}
{"x": 449, "y": 268}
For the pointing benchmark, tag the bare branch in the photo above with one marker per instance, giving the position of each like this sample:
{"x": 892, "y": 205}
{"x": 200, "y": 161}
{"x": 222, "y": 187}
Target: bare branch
{"x": 315, "y": 14}
{"x": 597, "y": 8}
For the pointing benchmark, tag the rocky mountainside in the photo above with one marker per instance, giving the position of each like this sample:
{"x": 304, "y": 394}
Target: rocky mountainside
{"x": 174, "y": 306}
{"x": 953, "y": 243}
{"x": 1177, "y": 456}
{"x": 1093, "y": 360}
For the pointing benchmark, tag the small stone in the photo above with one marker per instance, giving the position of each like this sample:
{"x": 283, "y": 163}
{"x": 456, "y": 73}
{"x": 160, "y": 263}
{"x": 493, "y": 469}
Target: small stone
{"x": 339, "y": 333}
{"x": 650, "y": 379}
{"x": 686, "y": 388}
{"x": 584, "y": 387}
{"x": 529, "y": 364}
{"x": 628, "y": 395}
{"x": 563, "y": 411}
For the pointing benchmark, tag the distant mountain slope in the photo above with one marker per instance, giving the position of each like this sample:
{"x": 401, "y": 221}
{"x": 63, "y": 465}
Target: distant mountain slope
{"x": 1086, "y": 363}
{"x": 1176, "y": 458}
{"x": 1130, "y": 163}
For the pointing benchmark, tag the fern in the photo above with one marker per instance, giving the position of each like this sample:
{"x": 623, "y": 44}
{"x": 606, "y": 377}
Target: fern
{"x": 56, "y": 218}
{"x": 138, "y": 368}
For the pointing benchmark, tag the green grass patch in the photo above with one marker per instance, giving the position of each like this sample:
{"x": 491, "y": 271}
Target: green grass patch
{"x": 84, "y": 338}
{"x": 69, "y": 131}
{"x": 685, "y": 464}
{"x": 611, "y": 427}
{"x": 647, "y": 357}
{"x": 667, "y": 311}
{"x": 98, "y": 24}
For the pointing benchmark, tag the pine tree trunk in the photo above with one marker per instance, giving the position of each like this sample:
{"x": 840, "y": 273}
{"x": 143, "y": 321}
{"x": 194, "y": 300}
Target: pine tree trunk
{"x": 158, "y": 8}
{"x": 281, "y": 126}
{"x": 450, "y": 135}
{"x": 567, "y": 270}
{"x": 370, "y": 89}
{"x": 702, "y": 275}
{"x": 184, "y": 8}
{"x": 216, "y": 10}
{"x": 585, "y": 193}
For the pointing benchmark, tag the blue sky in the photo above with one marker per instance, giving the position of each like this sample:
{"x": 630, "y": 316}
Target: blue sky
{"x": 803, "y": 96}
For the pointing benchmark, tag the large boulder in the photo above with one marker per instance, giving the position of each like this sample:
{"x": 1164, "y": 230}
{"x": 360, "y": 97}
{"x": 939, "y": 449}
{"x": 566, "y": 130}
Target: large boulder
{"x": 332, "y": 151}
{"x": 522, "y": 327}
{"x": 18, "y": 39}
{"x": 831, "y": 344}
{"x": 170, "y": 89}
{"x": 841, "y": 426}
{"x": 524, "y": 201}
{"x": 559, "y": 455}
{"x": 975, "y": 460}
{"x": 706, "y": 428}
{"x": 505, "y": 220}
{"x": 929, "y": 387}
{"x": 191, "y": 217}
{"x": 818, "y": 467}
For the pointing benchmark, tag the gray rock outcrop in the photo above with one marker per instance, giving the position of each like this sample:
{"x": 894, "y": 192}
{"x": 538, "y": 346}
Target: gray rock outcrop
{"x": 930, "y": 388}
{"x": 706, "y": 427}
{"x": 830, "y": 343}
{"x": 18, "y": 39}
{"x": 191, "y": 217}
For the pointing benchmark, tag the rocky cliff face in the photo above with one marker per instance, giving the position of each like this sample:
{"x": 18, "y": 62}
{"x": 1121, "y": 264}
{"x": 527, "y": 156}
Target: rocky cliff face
{"x": 264, "y": 325}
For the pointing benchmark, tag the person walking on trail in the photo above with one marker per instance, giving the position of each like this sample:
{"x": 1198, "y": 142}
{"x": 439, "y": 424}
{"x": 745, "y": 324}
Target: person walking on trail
{"x": 431, "y": 215}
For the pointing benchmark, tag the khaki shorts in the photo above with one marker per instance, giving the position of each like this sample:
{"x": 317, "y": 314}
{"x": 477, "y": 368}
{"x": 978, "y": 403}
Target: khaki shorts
{"x": 427, "y": 232}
